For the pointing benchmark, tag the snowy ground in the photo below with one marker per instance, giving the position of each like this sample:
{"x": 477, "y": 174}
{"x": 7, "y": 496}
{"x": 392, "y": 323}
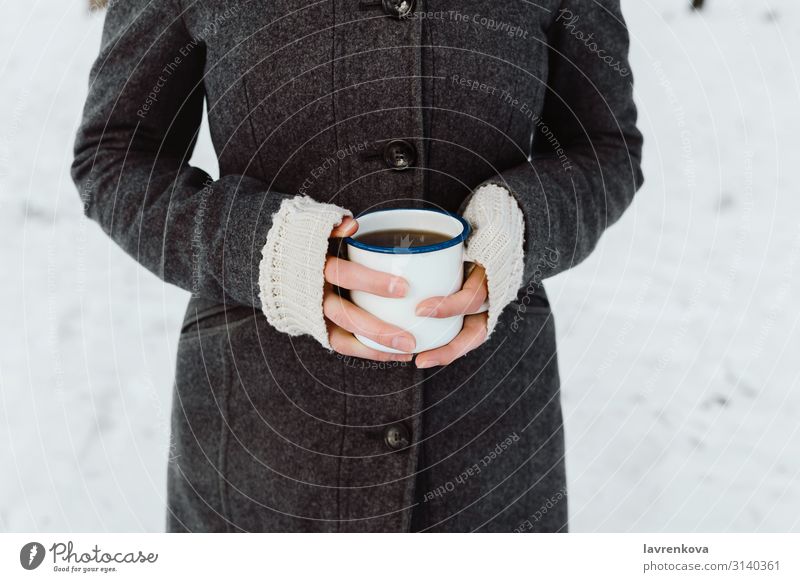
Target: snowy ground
{"x": 678, "y": 338}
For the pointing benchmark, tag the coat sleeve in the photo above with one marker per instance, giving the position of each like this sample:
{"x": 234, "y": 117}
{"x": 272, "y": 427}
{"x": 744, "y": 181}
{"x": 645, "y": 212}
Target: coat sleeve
{"x": 138, "y": 131}
{"x": 585, "y": 167}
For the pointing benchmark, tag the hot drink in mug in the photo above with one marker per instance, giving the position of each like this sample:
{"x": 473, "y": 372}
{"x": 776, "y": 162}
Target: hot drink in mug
{"x": 426, "y": 248}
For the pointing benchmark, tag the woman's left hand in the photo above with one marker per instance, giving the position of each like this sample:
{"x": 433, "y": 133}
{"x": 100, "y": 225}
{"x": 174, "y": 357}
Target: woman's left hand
{"x": 466, "y": 302}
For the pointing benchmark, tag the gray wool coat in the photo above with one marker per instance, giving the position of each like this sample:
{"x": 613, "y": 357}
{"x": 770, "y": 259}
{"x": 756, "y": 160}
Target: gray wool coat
{"x": 272, "y": 433}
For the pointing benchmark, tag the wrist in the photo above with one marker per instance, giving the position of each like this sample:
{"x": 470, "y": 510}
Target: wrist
{"x": 291, "y": 272}
{"x": 497, "y": 244}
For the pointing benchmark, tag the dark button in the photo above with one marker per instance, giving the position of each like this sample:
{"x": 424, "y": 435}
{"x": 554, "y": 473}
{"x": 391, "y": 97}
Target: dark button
{"x": 398, "y": 8}
{"x": 399, "y": 154}
{"x": 397, "y": 437}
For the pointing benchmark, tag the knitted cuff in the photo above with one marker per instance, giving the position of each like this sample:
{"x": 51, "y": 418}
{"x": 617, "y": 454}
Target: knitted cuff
{"x": 291, "y": 275}
{"x": 496, "y": 244}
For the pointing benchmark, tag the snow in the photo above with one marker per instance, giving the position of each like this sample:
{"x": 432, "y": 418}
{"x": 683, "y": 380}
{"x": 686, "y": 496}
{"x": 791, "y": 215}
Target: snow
{"x": 678, "y": 337}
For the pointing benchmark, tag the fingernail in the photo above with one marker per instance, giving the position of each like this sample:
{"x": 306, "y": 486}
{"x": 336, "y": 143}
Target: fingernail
{"x": 398, "y": 287}
{"x": 427, "y": 364}
{"x": 426, "y": 311}
{"x": 402, "y": 343}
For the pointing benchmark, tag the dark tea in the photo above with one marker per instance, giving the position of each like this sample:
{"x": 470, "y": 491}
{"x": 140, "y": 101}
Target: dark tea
{"x": 404, "y": 239}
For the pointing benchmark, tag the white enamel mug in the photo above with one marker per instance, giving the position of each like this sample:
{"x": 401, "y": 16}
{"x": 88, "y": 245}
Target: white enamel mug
{"x": 431, "y": 271}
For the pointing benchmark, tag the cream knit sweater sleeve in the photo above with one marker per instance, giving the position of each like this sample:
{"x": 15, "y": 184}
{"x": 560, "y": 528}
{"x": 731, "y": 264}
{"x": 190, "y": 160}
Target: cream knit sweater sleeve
{"x": 496, "y": 243}
{"x": 291, "y": 276}
{"x": 291, "y": 272}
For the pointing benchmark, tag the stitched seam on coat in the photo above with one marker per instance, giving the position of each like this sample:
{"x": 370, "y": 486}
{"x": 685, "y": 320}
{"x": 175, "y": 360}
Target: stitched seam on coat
{"x": 514, "y": 92}
{"x": 339, "y": 500}
{"x": 222, "y": 461}
{"x": 409, "y": 494}
{"x": 253, "y": 133}
{"x": 333, "y": 95}
{"x": 426, "y": 34}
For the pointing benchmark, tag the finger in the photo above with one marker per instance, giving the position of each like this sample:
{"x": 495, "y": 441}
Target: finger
{"x": 472, "y": 335}
{"x": 351, "y": 276}
{"x": 347, "y": 227}
{"x": 355, "y": 320}
{"x": 343, "y": 342}
{"x": 468, "y": 300}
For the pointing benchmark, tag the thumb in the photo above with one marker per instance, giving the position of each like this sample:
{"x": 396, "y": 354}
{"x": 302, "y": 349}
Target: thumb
{"x": 347, "y": 227}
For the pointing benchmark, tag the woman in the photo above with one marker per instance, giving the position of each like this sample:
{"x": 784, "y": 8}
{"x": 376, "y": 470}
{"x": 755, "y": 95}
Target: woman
{"x": 518, "y": 115}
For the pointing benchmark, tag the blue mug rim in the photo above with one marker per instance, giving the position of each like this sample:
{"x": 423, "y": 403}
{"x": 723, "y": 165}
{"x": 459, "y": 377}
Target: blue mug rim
{"x": 458, "y": 239}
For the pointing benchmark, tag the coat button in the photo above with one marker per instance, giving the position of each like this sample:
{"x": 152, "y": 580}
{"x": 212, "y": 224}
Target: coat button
{"x": 399, "y": 154}
{"x": 398, "y": 8}
{"x": 397, "y": 436}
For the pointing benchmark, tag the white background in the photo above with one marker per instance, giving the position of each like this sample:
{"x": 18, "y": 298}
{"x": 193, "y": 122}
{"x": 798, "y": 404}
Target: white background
{"x": 679, "y": 346}
{"x": 363, "y": 557}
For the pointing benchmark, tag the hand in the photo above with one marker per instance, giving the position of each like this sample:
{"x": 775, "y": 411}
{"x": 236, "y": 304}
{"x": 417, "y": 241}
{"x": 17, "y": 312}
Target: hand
{"x": 345, "y": 319}
{"x": 465, "y": 302}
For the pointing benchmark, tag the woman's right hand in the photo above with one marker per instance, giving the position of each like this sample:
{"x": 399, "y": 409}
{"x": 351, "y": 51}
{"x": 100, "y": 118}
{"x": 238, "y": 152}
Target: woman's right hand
{"x": 344, "y": 319}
